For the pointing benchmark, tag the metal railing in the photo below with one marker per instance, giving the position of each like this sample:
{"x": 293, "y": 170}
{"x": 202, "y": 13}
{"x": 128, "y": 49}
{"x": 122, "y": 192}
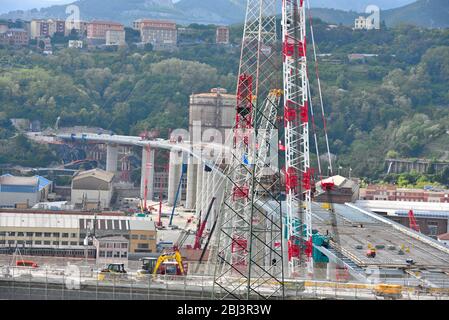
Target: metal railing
{"x": 82, "y": 283}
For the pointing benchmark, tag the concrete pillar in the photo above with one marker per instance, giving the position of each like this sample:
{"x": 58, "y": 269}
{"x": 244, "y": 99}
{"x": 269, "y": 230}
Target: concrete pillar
{"x": 199, "y": 187}
{"x": 111, "y": 158}
{"x": 147, "y": 173}
{"x": 205, "y": 193}
{"x": 174, "y": 174}
{"x": 191, "y": 191}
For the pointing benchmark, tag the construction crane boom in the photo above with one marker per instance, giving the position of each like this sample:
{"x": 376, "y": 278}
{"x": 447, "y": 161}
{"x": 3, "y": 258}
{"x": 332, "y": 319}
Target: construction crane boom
{"x": 202, "y": 226}
{"x": 412, "y": 221}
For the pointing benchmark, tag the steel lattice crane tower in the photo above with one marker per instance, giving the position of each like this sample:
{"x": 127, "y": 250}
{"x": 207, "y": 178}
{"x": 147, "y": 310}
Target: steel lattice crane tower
{"x": 249, "y": 254}
{"x": 298, "y": 173}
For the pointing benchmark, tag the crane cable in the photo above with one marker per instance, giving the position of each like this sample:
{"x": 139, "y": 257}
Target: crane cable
{"x": 314, "y": 128}
{"x": 319, "y": 88}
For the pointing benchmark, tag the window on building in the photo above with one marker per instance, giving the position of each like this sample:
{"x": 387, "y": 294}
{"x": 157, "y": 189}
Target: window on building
{"x": 20, "y": 234}
{"x": 116, "y": 254}
{"x": 124, "y": 245}
{"x": 109, "y": 254}
{"x": 2, "y": 233}
{"x": 143, "y": 237}
{"x": 38, "y": 234}
{"x": 29, "y": 242}
{"x": 56, "y": 243}
{"x": 20, "y": 242}
{"x": 30, "y": 234}
{"x": 73, "y": 235}
{"x": 65, "y": 235}
{"x": 73, "y": 243}
{"x": 124, "y": 254}
{"x": 102, "y": 254}
{"x": 47, "y": 235}
{"x": 65, "y": 243}
{"x": 56, "y": 234}
{"x": 143, "y": 245}
{"x": 2, "y": 241}
{"x": 135, "y": 237}
{"x": 11, "y": 234}
{"x": 38, "y": 242}
{"x": 11, "y": 242}
{"x": 47, "y": 243}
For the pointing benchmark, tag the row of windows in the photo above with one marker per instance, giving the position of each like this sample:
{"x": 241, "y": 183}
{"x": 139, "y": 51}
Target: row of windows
{"x": 110, "y": 254}
{"x": 39, "y": 242}
{"x": 114, "y": 245}
{"x": 37, "y": 234}
{"x": 142, "y": 237}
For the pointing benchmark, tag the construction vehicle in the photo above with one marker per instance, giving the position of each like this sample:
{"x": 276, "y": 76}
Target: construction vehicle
{"x": 168, "y": 263}
{"x": 26, "y": 263}
{"x": 113, "y": 271}
{"x": 388, "y": 291}
{"x": 371, "y": 252}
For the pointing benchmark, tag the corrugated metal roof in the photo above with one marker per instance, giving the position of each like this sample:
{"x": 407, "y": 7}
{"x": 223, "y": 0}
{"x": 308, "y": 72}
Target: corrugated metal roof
{"x": 25, "y": 220}
{"x": 38, "y": 221}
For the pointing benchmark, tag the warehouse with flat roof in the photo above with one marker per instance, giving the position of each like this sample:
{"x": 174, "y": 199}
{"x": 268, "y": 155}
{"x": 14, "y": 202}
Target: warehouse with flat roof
{"x": 23, "y": 192}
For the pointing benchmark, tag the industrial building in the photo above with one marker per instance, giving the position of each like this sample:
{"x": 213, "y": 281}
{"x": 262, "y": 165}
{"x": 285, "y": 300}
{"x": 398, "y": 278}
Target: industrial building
{"x": 344, "y": 190}
{"x": 23, "y": 192}
{"x": 92, "y": 189}
{"x": 393, "y": 193}
{"x": 68, "y": 230}
{"x": 112, "y": 250}
{"x": 431, "y": 218}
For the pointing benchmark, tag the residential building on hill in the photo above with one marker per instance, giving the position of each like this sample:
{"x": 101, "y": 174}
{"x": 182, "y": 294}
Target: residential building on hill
{"x": 393, "y": 193}
{"x": 98, "y": 29}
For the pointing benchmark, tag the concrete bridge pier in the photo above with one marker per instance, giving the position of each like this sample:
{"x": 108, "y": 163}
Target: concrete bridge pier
{"x": 191, "y": 192}
{"x": 199, "y": 187}
{"x": 111, "y": 158}
{"x": 174, "y": 175}
{"x": 147, "y": 173}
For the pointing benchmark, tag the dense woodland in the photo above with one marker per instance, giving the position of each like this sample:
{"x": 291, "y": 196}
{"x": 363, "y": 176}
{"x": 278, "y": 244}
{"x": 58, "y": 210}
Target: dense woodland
{"x": 395, "y": 104}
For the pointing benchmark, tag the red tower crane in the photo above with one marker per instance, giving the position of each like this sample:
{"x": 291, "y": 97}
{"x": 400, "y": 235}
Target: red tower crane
{"x": 412, "y": 220}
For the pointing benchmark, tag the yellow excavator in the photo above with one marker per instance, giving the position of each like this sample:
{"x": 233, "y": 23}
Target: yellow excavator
{"x": 113, "y": 271}
{"x": 167, "y": 263}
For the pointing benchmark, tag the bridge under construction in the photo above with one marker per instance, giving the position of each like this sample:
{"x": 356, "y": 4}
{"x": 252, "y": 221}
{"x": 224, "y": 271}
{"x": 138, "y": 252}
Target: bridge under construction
{"x": 269, "y": 239}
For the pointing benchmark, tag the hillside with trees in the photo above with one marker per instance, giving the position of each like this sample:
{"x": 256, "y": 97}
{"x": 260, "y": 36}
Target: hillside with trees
{"x": 394, "y": 102}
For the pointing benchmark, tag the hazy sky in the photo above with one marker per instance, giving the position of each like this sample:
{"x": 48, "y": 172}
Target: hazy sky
{"x": 8, "y": 5}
